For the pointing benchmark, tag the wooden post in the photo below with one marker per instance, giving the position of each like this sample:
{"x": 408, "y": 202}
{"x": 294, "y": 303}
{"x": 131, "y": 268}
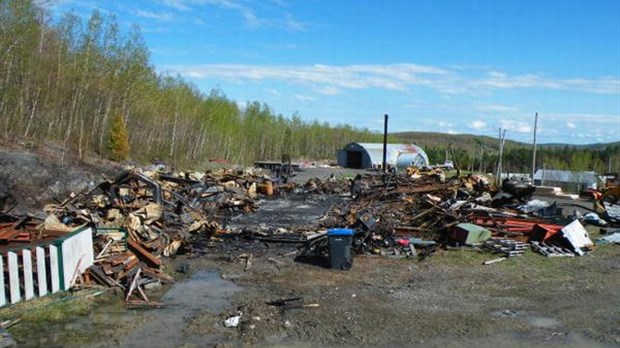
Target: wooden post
{"x": 13, "y": 277}
{"x": 2, "y": 291}
{"x": 27, "y": 268}
{"x": 54, "y": 270}
{"x": 41, "y": 271}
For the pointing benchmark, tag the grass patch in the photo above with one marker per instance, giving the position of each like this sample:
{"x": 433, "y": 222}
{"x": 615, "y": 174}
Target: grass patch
{"x": 48, "y": 312}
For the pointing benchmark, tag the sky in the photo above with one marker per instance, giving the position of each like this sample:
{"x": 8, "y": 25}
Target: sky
{"x": 450, "y": 66}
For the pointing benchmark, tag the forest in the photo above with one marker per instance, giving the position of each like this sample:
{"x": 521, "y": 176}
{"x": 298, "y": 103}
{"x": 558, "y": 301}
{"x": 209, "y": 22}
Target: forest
{"x": 89, "y": 87}
{"x": 480, "y": 153}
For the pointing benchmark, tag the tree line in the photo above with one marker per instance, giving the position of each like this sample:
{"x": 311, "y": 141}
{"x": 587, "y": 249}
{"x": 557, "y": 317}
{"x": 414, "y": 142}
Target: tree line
{"x": 518, "y": 158}
{"x": 90, "y": 87}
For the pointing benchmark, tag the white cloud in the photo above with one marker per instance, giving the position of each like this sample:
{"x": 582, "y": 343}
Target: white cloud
{"x": 292, "y": 24}
{"x": 304, "y": 97}
{"x": 328, "y": 90}
{"x": 477, "y": 124}
{"x": 498, "y": 80}
{"x": 181, "y": 5}
{"x": 516, "y": 126}
{"x": 160, "y": 17}
{"x": 581, "y": 118}
{"x": 445, "y": 124}
{"x": 496, "y": 108}
{"x": 570, "y": 125}
{"x": 248, "y": 14}
{"x": 395, "y": 77}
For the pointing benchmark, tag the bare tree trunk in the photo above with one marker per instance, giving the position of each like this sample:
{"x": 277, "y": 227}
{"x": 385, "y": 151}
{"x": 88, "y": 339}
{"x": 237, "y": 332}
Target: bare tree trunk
{"x": 174, "y": 131}
{"x": 103, "y": 124}
{"x": 80, "y": 151}
{"x": 32, "y": 112}
{"x": 64, "y": 144}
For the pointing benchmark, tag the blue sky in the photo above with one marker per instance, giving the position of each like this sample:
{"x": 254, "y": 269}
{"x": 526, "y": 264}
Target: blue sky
{"x": 452, "y": 66}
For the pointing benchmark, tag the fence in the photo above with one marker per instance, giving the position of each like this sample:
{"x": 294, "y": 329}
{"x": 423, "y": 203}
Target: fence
{"x": 46, "y": 268}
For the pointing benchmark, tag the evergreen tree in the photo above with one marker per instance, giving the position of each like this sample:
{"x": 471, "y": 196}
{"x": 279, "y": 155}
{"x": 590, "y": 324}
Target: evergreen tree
{"x": 118, "y": 141}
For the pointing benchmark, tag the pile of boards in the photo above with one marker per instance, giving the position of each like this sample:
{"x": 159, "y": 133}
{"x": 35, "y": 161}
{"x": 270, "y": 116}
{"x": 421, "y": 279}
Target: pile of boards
{"x": 142, "y": 216}
{"x": 462, "y": 210}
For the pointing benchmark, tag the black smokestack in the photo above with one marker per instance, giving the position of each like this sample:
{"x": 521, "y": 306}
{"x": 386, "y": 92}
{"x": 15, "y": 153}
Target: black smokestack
{"x": 385, "y": 133}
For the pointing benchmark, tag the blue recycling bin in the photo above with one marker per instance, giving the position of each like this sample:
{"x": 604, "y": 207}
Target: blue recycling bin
{"x": 340, "y": 241}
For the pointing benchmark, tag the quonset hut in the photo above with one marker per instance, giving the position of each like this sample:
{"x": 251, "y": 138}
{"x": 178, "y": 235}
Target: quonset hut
{"x": 369, "y": 155}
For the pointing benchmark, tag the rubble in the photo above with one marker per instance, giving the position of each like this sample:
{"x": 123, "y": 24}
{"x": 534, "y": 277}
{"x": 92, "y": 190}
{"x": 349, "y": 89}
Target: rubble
{"x": 384, "y": 209}
{"x": 143, "y": 216}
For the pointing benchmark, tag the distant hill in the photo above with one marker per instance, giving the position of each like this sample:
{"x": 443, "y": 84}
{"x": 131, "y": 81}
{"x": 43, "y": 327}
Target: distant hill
{"x": 471, "y": 142}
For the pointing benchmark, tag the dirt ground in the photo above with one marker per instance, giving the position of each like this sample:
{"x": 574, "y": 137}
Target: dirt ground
{"x": 447, "y": 300}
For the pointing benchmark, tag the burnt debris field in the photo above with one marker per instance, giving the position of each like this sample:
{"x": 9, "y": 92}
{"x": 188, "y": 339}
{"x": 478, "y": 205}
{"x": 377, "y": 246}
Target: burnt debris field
{"x": 240, "y": 258}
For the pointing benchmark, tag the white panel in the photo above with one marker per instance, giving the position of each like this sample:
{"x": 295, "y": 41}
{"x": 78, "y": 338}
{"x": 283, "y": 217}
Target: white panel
{"x": 13, "y": 277}
{"x": 54, "y": 270}
{"x": 2, "y": 293}
{"x": 77, "y": 255}
{"x": 41, "y": 271}
{"x": 28, "y": 282}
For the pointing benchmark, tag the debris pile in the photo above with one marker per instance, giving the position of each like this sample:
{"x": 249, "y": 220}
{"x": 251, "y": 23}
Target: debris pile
{"x": 330, "y": 186}
{"x": 142, "y": 216}
{"x": 24, "y": 230}
{"x": 463, "y": 210}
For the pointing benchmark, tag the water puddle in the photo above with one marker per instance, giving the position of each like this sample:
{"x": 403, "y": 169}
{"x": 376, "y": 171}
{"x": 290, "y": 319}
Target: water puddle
{"x": 533, "y": 319}
{"x": 205, "y": 291}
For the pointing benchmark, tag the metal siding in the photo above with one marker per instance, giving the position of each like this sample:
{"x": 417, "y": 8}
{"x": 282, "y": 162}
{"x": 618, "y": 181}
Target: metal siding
{"x": 341, "y": 158}
{"x": 565, "y": 176}
{"x": 373, "y": 153}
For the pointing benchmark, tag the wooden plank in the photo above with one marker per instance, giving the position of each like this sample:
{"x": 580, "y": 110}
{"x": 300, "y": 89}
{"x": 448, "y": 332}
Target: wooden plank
{"x": 100, "y": 277}
{"x": 2, "y": 291}
{"x": 54, "y": 268}
{"x": 41, "y": 271}
{"x": 143, "y": 254}
{"x": 27, "y": 268}
{"x": 13, "y": 277}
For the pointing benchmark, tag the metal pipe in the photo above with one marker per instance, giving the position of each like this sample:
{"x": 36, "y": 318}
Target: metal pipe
{"x": 385, "y": 134}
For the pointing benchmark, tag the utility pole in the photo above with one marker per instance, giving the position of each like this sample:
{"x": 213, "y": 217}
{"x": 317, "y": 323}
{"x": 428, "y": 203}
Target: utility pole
{"x": 534, "y": 149}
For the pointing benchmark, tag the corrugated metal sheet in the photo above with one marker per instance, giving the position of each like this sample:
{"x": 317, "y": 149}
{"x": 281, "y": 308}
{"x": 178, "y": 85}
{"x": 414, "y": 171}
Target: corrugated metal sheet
{"x": 397, "y": 155}
{"x": 566, "y": 176}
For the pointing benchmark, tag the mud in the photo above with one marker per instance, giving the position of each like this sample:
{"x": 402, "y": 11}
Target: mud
{"x": 205, "y": 292}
